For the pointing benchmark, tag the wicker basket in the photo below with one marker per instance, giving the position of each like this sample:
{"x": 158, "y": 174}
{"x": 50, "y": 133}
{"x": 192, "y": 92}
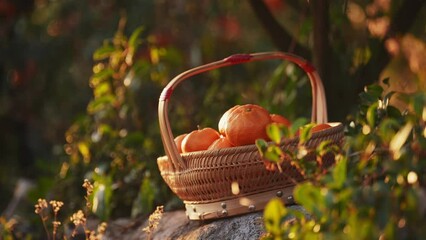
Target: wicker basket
{"x": 205, "y": 180}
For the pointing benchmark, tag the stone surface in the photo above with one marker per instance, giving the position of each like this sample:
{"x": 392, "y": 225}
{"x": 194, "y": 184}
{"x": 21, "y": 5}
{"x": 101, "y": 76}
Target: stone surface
{"x": 176, "y": 226}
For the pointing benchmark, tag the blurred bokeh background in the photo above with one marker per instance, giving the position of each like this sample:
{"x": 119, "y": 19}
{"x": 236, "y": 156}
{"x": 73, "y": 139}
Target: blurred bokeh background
{"x": 80, "y": 81}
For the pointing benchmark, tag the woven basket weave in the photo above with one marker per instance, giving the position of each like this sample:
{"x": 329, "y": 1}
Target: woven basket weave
{"x": 232, "y": 181}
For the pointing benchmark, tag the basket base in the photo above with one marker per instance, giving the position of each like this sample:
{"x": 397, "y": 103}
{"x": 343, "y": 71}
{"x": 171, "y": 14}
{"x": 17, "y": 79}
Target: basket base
{"x": 237, "y": 205}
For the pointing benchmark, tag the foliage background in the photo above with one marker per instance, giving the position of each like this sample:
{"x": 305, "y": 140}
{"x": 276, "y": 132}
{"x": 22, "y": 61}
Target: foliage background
{"x": 50, "y": 129}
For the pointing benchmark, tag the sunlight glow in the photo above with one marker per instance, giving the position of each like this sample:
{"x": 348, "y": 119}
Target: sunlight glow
{"x": 316, "y": 228}
{"x": 356, "y": 14}
{"x": 412, "y": 177}
{"x": 366, "y": 129}
{"x": 424, "y": 113}
{"x": 347, "y": 229}
{"x": 392, "y": 46}
{"x": 399, "y": 140}
{"x": 246, "y": 201}
{"x": 400, "y": 179}
{"x": 379, "y": 26}
{"x": 235, "y": 188}
{"x": 401, "y": 223}
{"x": 302, "y": 152}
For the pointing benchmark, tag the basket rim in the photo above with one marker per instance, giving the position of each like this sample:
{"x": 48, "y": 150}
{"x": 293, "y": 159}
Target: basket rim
{"x": 335, "y": 127}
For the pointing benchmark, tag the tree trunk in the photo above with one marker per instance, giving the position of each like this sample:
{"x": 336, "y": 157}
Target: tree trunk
{"x": 321, "y": 44}
{"x": 279, "y": 36}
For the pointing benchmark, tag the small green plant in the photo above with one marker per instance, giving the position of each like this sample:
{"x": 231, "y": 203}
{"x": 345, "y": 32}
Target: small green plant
{"x": 375, "y": 190}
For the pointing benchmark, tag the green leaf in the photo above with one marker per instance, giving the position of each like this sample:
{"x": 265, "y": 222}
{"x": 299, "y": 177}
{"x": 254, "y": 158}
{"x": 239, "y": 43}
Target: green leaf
{"x": 372, "y": 115}
{"x": 274, "y": 132}
{"x": 102, "y": 89}
{"x": 98, "y": 78}
{"x": 298, "y": 123}
{"x": 339, "y": 173}
{"x": 273, "y": 217}
{"x": 100, "y": 103}
{"x": 371, "y": 94}
{"x": 309, "y": 197}
{"x": 326, "y": 146}
{"x": 105, "y": 129}
{"x": 393, "y": 112}
{"x": 366, "y": 98}
{"x": 273, "y": 154}
{"x": 101, "y": 196}
{"x": 419, "y": 103}
{"x": 387, "y": 129}
{"x": 305, "y": 133}
{"x": 262, "y": 146}
{"x": 103, "y": 52}
{"x": 374, "y": 90}
{"x": 361, "y": 227}
{"x": 134, "y": 40}
{"x": 83, "y": 148}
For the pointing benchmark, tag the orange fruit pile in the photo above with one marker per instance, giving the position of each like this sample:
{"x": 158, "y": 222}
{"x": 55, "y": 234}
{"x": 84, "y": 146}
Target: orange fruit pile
{"x": 240, "y": 125}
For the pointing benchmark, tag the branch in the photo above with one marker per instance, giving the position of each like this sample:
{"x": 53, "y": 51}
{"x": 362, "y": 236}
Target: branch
{"x": 321, "y": 48}
{"x": 279, "y": 36}
{"x": 400, "y": 24}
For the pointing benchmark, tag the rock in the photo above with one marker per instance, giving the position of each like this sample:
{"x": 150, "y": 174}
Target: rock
{"x": 176, "y": 226}
{"x": 248, "y": 226}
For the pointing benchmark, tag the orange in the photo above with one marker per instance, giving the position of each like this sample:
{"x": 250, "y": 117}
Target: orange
{"x": 222, "y": 142}
{"x": 316, "y": 128}
{"x": 199, "y": 140}
{"x": 178, "y": 141}
{"x": 223, "y": 121}
{"x": 242, "y": 125}
{"x": 276, "y": 118}
{"x": 320, "y": 127}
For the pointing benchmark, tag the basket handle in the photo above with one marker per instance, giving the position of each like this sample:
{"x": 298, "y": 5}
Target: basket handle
{"x": 319, "y": 108}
